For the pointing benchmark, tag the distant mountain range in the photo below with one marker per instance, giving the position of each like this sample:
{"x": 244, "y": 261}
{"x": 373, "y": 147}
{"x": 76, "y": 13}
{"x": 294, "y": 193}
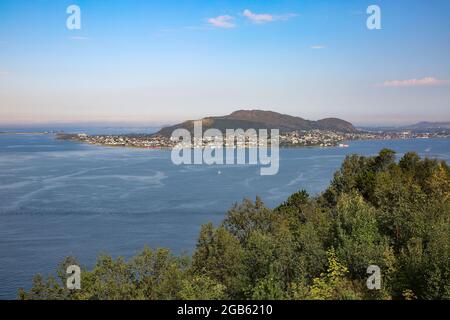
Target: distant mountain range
{"x": 259, "y": 119}
{"x": 424, "y": 126}
{"x": 429, "y": 125}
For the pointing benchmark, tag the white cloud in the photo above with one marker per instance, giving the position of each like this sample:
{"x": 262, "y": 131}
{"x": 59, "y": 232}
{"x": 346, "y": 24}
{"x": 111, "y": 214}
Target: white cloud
{"x": 224, "y": 21}
{"x": 258, "y": 18}
{"x": 266, "y": 17}
{"x": 427, "y": 81}
{"x": 318, "y": 46}
{"x": 79, "y": 38}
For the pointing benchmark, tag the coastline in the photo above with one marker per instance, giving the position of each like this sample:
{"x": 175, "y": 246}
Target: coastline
{"x": 338, "y": 144}
{"x": 25, "y": 133}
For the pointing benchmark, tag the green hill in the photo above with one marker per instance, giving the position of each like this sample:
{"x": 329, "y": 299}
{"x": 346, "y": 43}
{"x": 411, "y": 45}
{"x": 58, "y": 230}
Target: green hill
{"x": 258, "y": 119}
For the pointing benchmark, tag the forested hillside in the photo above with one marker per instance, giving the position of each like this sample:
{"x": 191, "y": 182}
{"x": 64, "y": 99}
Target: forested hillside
{"x": 259, "y": 119}
{"x": 376, "y": 211}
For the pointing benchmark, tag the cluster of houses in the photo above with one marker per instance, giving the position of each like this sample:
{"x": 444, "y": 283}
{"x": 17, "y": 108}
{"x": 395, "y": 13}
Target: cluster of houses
{"x": 309, "y": 138}
{"x": 322, "y": 138}
{"x": 128, "y": 141}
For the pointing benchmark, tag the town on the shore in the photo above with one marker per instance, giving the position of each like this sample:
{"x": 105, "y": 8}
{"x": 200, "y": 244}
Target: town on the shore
{"x": 317, "y": 138}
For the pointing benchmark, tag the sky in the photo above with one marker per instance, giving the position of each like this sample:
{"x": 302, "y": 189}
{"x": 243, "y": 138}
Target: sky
{"x": 160, "y": 62}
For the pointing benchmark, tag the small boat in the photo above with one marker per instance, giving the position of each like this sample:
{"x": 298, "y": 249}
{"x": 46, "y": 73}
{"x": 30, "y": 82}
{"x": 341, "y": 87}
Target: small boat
{"x": 342, "y": 145}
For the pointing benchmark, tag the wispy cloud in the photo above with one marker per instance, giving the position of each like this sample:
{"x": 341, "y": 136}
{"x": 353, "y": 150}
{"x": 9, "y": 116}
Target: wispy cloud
{"x": 3, "y": 73}
{"x": 165, "y": 31}
{"x": 427, "y": 81}
{"x": 79, "y": 38}
{"x": 224, "y": 21}
{"x": 318, "y": 47}
{"x": 195, "y": 28}
{"x": 260, "y": 18}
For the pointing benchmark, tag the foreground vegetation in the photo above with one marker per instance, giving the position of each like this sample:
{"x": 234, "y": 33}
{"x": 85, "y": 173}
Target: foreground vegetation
{"x": 375, "y": 211}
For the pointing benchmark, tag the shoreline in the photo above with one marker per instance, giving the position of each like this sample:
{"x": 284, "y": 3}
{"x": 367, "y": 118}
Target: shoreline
{"x": 338, "y": 146}
{"x": 25, "y": 133}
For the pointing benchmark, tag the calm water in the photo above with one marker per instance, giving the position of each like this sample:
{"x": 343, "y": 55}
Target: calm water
{"x": 59, "y": 198}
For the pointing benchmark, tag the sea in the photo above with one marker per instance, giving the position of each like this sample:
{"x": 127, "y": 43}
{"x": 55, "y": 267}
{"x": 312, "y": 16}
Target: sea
{"x": 61, "y": 198}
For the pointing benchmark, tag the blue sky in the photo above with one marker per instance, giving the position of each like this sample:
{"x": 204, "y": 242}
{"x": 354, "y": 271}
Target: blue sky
{"x": 164, "y": 61}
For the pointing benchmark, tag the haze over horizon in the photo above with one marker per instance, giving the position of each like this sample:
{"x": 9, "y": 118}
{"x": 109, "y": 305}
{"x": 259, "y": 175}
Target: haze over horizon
{"x": 161, "y": 124}
{"x": 156, "y": 63}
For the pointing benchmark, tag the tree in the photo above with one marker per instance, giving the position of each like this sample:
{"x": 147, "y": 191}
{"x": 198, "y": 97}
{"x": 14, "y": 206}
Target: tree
{"x": 333, "y": 285}
{"x": 355, "y": 234}
{"x": 219, "y": 256}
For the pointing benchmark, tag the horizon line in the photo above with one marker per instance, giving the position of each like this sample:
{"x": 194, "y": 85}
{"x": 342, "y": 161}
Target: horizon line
{"x": 162, "y": 124}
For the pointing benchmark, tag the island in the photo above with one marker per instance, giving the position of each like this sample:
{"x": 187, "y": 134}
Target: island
{"x": 294, "y": 132}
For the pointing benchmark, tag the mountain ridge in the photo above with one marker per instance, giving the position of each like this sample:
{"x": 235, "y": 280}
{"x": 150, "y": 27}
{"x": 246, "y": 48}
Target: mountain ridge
{"x": 429, "y": 125}
{"x": 262, "y": 119}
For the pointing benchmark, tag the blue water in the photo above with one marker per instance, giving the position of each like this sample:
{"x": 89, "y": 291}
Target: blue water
{"x": 60, "y": 198}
